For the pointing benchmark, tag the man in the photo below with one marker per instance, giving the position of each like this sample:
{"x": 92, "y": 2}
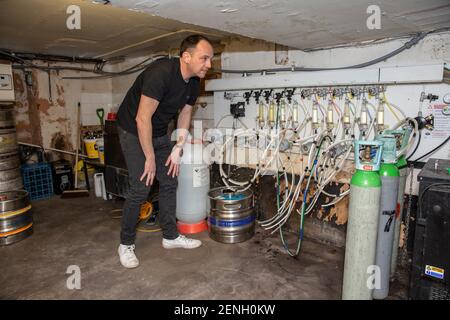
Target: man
{"x": 159, "y": 92}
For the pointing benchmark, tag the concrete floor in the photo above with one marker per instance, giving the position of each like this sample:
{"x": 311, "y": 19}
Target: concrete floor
{"x": 82, "y": 232}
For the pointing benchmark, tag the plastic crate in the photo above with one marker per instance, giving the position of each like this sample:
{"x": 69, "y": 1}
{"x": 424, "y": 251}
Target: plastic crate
{"x": 37, "y": 180}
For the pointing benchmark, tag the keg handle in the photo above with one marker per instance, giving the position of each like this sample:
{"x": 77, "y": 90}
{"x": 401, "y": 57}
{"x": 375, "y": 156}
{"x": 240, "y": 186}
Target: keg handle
{"x": 232, "y": 206}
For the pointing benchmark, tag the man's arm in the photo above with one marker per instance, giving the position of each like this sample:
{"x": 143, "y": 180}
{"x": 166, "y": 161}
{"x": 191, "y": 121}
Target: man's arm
{"x": 146, "y": 109}
{"x": 183, "y": 124}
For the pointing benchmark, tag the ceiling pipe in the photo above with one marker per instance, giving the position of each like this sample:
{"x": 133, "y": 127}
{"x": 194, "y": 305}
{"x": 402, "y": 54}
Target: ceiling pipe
{"x": 162, "y": 36}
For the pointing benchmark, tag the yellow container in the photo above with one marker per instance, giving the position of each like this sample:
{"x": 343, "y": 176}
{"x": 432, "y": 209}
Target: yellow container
{"x": 101, "y": 154}
{"x": 91, "y": 148}
{"x": 101, "y": 150}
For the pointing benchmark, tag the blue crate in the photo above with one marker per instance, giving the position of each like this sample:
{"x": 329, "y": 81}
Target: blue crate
{"x": 38, "y": 180}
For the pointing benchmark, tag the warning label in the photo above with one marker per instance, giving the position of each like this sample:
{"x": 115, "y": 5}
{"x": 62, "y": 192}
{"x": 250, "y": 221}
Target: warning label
{"x": 434, "y": 272}
{"x": 200, "y": 177}
{"x": 441, "y": 121}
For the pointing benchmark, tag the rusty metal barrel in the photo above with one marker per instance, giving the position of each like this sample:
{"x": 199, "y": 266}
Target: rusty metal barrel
{"x": 232, "y": 216}
{"x": 16, "y": 219}
{"x": 8, "y": 137}
{"x": 10, "y": 174}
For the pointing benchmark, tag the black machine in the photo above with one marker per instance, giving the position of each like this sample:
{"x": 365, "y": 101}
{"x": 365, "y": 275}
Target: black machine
{"x": 62, "y": 176}
{"x": 430, "y": 272}
{"x": 116, "y": 173}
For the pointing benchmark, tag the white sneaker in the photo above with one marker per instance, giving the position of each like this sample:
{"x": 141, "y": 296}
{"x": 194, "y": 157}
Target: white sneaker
{"x": 127, "y": 257}
{"x": 181, "y": 242}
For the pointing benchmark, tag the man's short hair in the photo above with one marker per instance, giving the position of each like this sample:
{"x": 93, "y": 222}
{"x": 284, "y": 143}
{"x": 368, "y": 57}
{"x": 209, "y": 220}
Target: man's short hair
{"x": 191, "y": 42}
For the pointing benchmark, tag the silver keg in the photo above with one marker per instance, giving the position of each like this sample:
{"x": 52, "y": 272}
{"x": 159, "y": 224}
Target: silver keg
{"x": 232, "y": 217}
{"x": 8, "y": 140}
{"x": 8, "y": 137}
{"x": 7, "y": 116}
{"x": 16, "y": 219}
{"x": 10, "y": 174}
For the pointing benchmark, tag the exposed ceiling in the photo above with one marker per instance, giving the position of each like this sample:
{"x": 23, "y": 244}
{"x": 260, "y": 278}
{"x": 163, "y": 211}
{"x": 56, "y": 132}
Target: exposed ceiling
{"x": 39, "y": 26}
{"x": 303, "y": 24}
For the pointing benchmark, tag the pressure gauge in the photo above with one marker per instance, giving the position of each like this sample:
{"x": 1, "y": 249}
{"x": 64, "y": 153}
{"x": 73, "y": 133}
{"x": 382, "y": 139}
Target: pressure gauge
{"x": 446, "y": 98}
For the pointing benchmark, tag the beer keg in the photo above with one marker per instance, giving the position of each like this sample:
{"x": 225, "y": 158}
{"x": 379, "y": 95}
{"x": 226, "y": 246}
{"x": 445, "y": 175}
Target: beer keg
{"x": 232, "y": 217}
{"x": 7, "y": 116}
{"x": 10, "y": 175}
{"x": 8, "y": 138}
{"x": 16, "y": 220}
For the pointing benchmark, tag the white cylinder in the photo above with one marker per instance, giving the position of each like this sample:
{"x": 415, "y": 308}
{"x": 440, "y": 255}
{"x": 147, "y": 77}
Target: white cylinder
{"x": 346, "y": 113}
{"x": 330, "y": 118}
{"x": 315, "y": 114}
{"x": 193, "y": 185}
{"x": 98, "y": 185}
{"x": 360, "y": 242}
{"x": 363, "y": 117}
{"x": 295, "y": 113}
{"x": 104, "y": 195}
{"x": 283, "y": 112}
{"x": 272, "y": 112}
{"x": 380, "y": 117}
{"x": 261, "y": 112}
{"x": 385, "y": 237}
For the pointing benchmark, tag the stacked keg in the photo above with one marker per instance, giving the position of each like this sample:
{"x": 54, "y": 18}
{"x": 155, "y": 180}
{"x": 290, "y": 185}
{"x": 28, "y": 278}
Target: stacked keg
{"x": 16, "y": 219}
{"x": 232, "y": 215}
{"x": 15, "y": 214}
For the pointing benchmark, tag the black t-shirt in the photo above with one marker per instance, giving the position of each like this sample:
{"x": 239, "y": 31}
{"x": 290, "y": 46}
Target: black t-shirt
{"x": 162, "y": 81}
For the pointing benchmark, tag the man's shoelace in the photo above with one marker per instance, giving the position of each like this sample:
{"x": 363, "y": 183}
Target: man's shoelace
{"x": 183, "y": 238}
{"x": 129, "y": 249}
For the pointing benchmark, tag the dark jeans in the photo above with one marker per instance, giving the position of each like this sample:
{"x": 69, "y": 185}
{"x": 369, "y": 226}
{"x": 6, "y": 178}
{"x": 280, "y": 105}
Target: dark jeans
{"x": 138, "y": 191}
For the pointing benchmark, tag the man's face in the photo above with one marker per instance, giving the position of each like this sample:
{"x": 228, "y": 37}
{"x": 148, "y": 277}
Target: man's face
{"x": 199, "y": 58}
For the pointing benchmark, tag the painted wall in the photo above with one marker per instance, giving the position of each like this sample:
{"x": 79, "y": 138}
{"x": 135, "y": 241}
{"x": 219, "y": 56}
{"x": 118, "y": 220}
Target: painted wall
{"x": 47, "y": 110}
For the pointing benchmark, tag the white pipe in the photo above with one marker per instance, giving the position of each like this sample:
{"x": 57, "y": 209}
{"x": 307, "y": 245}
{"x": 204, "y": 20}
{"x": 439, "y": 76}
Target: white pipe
{"x": 51, "y": 149}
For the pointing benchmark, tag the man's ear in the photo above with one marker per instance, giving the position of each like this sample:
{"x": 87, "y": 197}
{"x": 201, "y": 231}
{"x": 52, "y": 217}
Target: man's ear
{"x": 186, "y": 56}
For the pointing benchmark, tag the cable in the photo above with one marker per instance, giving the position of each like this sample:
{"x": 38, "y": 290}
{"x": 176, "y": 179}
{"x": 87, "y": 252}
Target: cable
{"x": 305, "y": 192}
{"x": 368, "y": 42}
{"x": 412, "y": 42}
{"x": 342, "y": 196}
{"x": 98, "y": 69}
{"x": 412, "y": 138}
{"x": 417, "y": 145}
{"x": 130, "y": 70}
{"x": 22, "y": 56}
{"x": 434, "y": 150}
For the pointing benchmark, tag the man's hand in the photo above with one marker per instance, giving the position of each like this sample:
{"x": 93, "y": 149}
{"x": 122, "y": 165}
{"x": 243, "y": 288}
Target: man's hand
{"x": 173, "y": 161}
{"x": 149, "y": 170}
{"x": 195, "y": 141}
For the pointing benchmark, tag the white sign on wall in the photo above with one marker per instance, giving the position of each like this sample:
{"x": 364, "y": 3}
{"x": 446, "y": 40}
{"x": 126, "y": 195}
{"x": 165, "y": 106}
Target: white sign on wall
{"x": 441, "y": 121}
